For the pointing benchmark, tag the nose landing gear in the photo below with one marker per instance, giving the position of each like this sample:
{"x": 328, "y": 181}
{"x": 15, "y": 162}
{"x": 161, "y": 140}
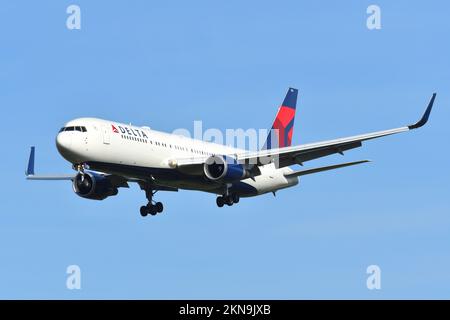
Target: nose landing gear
{"x": 152, "y": 207}
{"x": 80, "y": 167}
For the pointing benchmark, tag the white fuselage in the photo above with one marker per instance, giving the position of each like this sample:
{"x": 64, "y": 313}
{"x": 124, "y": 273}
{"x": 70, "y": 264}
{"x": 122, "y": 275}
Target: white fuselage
{"x": 142, "y": 153}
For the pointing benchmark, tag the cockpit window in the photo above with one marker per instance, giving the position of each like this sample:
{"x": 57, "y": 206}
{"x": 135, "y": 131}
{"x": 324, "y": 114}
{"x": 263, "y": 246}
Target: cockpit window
{"x": 78, "y": 128}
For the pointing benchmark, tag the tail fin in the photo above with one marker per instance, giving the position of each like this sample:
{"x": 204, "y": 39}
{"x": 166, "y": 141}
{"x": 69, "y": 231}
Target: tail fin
{"x": 282, "y": 129}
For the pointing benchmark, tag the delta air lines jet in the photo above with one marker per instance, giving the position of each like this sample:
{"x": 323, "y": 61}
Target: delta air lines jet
{"x": 107, "y": 155}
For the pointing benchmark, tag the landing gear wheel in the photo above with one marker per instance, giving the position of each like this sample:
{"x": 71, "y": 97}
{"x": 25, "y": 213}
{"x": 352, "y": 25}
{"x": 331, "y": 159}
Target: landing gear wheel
{"x": 159, "y": 207}
{"x": 144, "y": 211}
{"x": 151, "y": 209}
{"x": 229, "y": 201}
{"x": 219, "y": 202}
{"x": 235, "y": 198}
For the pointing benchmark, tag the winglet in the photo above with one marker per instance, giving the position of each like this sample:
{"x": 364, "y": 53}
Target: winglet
{"x": 425, "y": 116}
{"x": 30, "y": 169}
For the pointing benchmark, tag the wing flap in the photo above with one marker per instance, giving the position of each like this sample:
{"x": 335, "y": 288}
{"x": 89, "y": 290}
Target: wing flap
{"x": 326, "y": 168}
{"x": 301, "y": 157}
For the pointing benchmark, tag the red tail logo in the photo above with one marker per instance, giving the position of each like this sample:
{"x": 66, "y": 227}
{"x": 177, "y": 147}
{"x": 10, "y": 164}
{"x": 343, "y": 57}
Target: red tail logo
{"x": 114, "y": 129}
{"x": 283, "y": 125}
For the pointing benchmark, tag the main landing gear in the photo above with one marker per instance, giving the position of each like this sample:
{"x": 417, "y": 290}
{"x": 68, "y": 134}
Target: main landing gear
{"x": 152, "y": 207}
{"x": 229, "y": 200}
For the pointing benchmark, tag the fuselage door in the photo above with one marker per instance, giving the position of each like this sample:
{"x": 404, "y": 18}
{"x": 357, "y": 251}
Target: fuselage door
{"x": 106, "y": 135}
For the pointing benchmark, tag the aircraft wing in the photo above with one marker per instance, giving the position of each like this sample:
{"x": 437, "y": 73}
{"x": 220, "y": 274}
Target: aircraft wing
{"x": 287, "y": 156}
{"x": 30, "y": 174}
{"x": 298, "y": 154}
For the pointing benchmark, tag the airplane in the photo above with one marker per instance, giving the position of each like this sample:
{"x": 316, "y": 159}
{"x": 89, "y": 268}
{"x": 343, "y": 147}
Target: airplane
{"x": 108, "y": 155}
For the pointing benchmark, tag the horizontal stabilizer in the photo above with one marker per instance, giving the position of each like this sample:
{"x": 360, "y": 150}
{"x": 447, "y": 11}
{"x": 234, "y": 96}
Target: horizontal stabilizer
{"x": 320, "y": 169}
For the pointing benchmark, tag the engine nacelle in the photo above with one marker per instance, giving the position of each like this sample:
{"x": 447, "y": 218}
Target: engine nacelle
{"x": 224, "y": 168}
{"x": 94, "y": 186}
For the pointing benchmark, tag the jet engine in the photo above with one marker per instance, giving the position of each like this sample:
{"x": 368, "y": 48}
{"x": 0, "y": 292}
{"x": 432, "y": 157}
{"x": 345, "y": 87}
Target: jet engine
{"x": 225, "y": 168}
{"x": 93, "y": 186}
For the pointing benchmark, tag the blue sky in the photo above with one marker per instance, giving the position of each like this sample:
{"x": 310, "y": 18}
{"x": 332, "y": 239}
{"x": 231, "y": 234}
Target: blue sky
{"x": 229, "y": 63}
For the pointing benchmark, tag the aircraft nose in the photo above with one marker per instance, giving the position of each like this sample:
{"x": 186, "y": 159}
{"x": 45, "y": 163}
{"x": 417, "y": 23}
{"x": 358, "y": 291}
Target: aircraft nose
{"x": 63, "y": 141}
